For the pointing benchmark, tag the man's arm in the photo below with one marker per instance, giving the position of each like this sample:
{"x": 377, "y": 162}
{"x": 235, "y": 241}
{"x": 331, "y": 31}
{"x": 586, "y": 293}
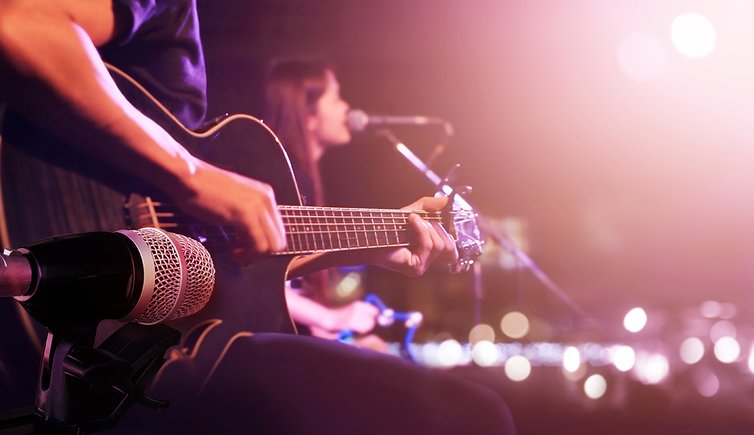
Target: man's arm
{"x": 51, "y": 72}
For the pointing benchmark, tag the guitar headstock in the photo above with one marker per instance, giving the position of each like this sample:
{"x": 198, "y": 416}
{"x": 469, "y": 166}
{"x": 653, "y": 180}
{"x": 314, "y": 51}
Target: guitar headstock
{"x": 460, "y": 220}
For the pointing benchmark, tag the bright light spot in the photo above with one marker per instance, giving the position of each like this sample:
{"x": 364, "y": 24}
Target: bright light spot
{"x": 728, "y": 310}
{"x": 727, "y": 350}
{"x": 693, "y": 35}
{"x": 577, "y": 375}
{"x": 707, "y": 383}
{"x": 449, "y": 353}
{"x": 428, "y": 354}
{"x": 710, "y": 309}
{"x": 515, "y": 325}
{"x": 595, "y": 386}
{"x": 651, "y": 369}
{"x": 481, "y": 333}
{"x": 517, "y": 368}
{"x": 751, "y": 359}
{"x": 624, "y": 358}
{"x": 692, "y": 350}
{"x": 635, "y": 320}
{"x": 641, "y": 57}
{"x": 571, "y": 359}
{"x": 721, "y": 329}
{"x": 485, "y": 353}
{"x": 348, "y": 285}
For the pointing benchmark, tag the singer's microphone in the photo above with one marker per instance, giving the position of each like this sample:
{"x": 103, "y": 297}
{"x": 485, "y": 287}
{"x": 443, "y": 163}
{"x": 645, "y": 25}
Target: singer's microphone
{"x": 147, "y": 275}
{"x": 358, "y": 121}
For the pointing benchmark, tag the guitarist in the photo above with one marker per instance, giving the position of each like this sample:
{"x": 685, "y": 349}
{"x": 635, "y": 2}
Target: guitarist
{"x": 54, "y": 82}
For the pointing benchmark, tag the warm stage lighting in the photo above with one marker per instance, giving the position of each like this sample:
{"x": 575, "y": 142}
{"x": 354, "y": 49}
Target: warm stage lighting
{"x": 449, "y": 353}
{"x": 517, "y": 368}
{"x": 624, "y": 358}
{"x": 727, "y": 350}
{"x": 692, "y": 350}
{"x": 515, "y": 325}
{"x": 485, "y": 353}
{"x": 571, "y": 359}
{"x": 693, "y": 35}
{"x": 595, "y": 386}
{"x": 651, "y": 368}
{"x": 635, "y": 320}
{"x": 481, "y": 332}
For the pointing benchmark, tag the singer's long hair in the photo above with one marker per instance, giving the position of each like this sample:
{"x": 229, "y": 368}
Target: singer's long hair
{"x": 292, "y": 88}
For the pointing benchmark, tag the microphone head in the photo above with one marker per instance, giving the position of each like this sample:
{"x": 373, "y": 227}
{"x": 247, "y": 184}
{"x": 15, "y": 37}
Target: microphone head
{"x": 179, "y": 276}
{"x": 357, "y": 120}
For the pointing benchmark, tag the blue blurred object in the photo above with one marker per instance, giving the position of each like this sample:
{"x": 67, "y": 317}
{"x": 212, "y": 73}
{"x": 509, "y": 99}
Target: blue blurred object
{"x": 412, "y": 320}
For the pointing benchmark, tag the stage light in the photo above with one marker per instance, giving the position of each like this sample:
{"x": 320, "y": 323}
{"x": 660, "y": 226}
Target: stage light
{"x": 721, "y": 329}
{"x": 571, "y": 359}
{"x": 595, "y": 386}
{"x": 515, "y": 325}
{"x": 635, "y": 320}
{"x": 624, "y": 358}
{"x": 692, "y": 350}
{"x": 517, "y": 368}
{"x": 751, "y": 359}
{"x": 651, "y": 368}
{"x": 481, "y": 332}
{"x": 710, "y": 309}
{"x": 693, "y": 35}
{"x": 449, "y": 353}
{"x": 485, "y": 353}
{"x": 706, "y": 383}
{"x": 641, "y": 57}
{"x": 727, "y": 350}
{"x": 348, "y": 285}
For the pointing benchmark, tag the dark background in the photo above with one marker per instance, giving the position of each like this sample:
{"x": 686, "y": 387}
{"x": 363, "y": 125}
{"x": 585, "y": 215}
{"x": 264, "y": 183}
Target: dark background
{"x": 631, "y": 193}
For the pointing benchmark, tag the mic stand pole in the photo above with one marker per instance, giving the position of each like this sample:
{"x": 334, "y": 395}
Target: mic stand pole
{"x": 498, "y": 236}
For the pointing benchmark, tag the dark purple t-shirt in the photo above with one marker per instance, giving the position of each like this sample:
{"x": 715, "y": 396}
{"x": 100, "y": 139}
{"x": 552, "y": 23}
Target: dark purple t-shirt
{"x": 158, "y": 43}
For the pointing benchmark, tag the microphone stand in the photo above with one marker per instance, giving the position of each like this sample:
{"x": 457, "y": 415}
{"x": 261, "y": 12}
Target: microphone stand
{"x": 82, "y": 389}
{"x": 502, "y": 239}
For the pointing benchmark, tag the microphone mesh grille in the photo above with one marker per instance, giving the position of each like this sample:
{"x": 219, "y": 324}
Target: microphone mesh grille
{"x": 169, "y": 270}
{"x": 201, "y": 276}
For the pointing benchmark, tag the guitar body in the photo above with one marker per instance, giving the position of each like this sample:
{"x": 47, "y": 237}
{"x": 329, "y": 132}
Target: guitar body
{"x": 51, "y": 189}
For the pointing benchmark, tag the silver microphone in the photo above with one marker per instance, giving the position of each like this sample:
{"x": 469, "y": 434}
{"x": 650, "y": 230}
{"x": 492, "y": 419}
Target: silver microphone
{"x": 147, "y": 276}
{"x": 358, "y": 121}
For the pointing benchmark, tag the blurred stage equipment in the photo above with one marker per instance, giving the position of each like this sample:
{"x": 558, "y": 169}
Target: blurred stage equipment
{"x": 71, "y": 283}
{"x": 387, "y": 317}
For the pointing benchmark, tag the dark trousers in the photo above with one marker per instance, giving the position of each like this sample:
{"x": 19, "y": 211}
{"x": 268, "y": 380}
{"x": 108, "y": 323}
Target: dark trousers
{"x": 286, "y": 384}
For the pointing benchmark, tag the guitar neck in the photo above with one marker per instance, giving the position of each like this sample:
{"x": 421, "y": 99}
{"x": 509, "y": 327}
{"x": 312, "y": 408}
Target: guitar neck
{"x": 327, "y": 229}
{"x": 308, "y": 229}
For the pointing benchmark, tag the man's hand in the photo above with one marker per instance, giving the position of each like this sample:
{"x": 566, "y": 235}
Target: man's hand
{"x": 431, "y": 243}
{"x": 246, "y": 204}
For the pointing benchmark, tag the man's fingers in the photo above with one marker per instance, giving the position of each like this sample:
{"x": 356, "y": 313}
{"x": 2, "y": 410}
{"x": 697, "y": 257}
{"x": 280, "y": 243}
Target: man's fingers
{"x": 428, "y": 203}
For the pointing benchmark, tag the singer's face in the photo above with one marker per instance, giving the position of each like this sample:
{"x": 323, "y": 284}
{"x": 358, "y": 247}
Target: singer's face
{"x": 328, "y": 125}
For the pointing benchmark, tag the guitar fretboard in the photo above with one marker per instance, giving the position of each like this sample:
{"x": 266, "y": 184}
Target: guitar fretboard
{"x": 320, "y": 229}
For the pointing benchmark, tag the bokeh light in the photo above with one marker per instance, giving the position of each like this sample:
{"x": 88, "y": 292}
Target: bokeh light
{"x": 515, "y": 325}
{"x": 481, "y": 332}
{"x": 651, "y": 368}
{"x": 624, "y": 358}
{"x": 693, "y": 35}
{"x": 517, "y": 368}
{"x": 485, "y": 353}
{"x": 720, "y": 329}
{"x": 595, "y": 386}
{"x": 635, "y": 320}
{"x": 727, "y": 350}
{"x": 449, "y": 353}
{"x": 706, "y": 383}
{"x": 692, "y": 350}
{"x": 571, "y": 359}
